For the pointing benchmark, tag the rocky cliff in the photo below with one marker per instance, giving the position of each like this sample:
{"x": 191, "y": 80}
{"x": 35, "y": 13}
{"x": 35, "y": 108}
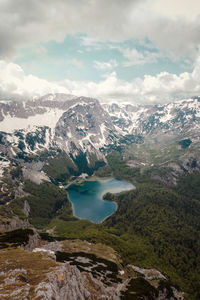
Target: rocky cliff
{"x": 55, "y": 271}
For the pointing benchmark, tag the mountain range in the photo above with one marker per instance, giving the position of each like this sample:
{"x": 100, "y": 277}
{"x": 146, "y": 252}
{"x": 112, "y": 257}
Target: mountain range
{"x": 83, "y": 127}
{"x": 52, "y": 141}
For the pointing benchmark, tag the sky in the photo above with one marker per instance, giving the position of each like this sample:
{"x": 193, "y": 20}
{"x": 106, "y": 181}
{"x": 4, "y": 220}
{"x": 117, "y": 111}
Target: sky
{"x": 140, "y": 51}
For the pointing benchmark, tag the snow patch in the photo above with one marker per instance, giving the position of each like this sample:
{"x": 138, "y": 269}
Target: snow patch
{"x": 102, "y": 140}
{"x": 167, "y": 117}
{"x": 49, "y": 119}
{"x": 4, "y": 164}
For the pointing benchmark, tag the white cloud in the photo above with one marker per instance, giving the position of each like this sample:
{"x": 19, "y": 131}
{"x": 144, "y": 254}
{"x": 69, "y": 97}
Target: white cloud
{"x": 164, "y": 87}
{"x": 25, "y": 22}
{"x": 89, "y": 41}
{"x": 103, "y": 65}
{"x": 134, "y": 57}
{"x": 174, "y": 8}
{"x": 14, "y": 81}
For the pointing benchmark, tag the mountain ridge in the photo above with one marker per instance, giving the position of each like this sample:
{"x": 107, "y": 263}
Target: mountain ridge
{"x": 83, "y": 127}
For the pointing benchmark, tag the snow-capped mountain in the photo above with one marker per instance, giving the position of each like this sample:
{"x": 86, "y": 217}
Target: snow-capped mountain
{"x": 62, "y": 120}
{"x": 145, "y": 120}
{"x": 68, "y": 122}
{"x": 80, "y": 125}
{"x": 76, "y": 125}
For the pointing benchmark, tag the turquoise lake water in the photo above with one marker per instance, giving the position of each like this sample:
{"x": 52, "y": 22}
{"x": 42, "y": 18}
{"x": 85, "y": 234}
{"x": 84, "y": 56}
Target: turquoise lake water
{"x": 87, "y": 200}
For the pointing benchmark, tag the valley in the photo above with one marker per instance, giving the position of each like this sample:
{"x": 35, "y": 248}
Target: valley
{"x": 100, "y": 150}
{"x": 155, "y": 226}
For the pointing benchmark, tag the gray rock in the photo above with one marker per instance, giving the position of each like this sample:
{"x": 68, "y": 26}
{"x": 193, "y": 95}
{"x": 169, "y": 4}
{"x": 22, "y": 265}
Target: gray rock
{"x": 26, "y": 208}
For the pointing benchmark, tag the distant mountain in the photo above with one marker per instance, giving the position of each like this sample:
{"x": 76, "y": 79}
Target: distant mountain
{"x": 178, "y": 117}
{"x": 87, "y": 130}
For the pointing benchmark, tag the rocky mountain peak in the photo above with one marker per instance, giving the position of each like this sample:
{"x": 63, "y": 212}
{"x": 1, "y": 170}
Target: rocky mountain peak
{"x": 82, "y": 125}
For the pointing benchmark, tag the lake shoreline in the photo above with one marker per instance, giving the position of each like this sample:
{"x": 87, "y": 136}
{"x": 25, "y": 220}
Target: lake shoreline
{"x": 80, "y": 180}
{"x": 87, "y": 197}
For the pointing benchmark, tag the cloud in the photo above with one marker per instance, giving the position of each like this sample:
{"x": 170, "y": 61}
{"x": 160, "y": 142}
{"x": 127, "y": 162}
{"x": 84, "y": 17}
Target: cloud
{"x": 162, "y": 88}
{"x": 25, "y": 23}
{"x": 89, "y": 41}
{"x": 189, "y": 9}
{"x": 103, "y": 65}
{"x": 13, "y": 81}
{"x": 134, "y": 57}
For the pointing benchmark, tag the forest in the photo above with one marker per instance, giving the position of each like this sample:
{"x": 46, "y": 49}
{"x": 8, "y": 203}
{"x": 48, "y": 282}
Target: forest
{"x": 155, "y": 225}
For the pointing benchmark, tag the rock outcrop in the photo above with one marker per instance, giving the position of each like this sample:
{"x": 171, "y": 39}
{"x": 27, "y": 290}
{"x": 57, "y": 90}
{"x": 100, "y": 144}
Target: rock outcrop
{"x": 67, "y": 282}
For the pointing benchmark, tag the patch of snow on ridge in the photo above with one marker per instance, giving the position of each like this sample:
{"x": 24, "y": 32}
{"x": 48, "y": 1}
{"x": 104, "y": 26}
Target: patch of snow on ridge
{"x": 49, "y": 119}
{"x": 3, "y": 165}
{"x": 12, "y": 139}
{"x": 102, "y": 140}
{"x": 167, "y": 116}
{"x": 135, "y": 118}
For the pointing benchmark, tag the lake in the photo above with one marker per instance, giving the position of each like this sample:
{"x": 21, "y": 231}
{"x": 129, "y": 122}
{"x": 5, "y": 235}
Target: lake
{"x": 87, "y": 198}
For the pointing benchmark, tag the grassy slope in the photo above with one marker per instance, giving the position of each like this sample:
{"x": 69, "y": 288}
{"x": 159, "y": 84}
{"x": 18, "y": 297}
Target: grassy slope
{"x": 35, "y": 267}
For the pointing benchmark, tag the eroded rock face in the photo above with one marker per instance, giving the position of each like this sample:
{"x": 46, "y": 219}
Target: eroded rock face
{"x": 67, "y": 282}
{"x": 26, "y": 208}
{"x": 33, "y": 241}
{"x": 14, "y": 223}
{"x": 86, "y": 276}
{"x": 157, "y": 280}
{"x": 45, "y": 272}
